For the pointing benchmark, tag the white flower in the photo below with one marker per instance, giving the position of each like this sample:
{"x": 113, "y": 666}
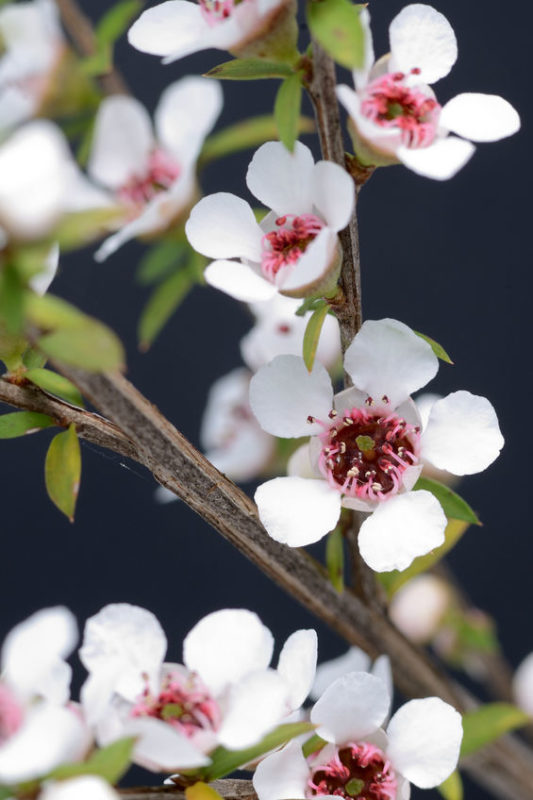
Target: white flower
{"x": 279, "y": 331}
{"x": 421, "y": 746}
{"x": 394, "y": 113}
{"x": 223, "y": 694}
{"x": 424, "y": 403}
{"x": 523, "y": 685}
{"x": 418, "y": 607}
{"x": 353, "y": 660}
{"x": 295, "y": 249}
{"x": 177, "y": 28}
{"x": 32, "y": 44}
{"x": 152, "y": 175}
{"x": 37, "y": 731}
{"x": 367, "y": 445}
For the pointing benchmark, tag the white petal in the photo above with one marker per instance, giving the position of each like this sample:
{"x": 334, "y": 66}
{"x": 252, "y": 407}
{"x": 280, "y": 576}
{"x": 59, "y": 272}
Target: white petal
{"x": 354, "y": 660}
{"x": 360, "y": 76}
{"x": 122, "y": 141}
{"x": 223, "y": 226}
{"x": 424, "y": 403}
{"x": 462, "y": 435}
{"x": 256, "y": 705}
{"x": 246, "y": 455}
{"x": 185, "y": 114}
{"x": 40, "y": 283}
{"x": 282, "y": 775}
{"x": 284, "y": 394}
{"x": 400, "y": 529}
{"x": 480, "y": 117}
{"x": 382, "y": 670}
{"x": 33, "y": 649}
{"x": 441, "y": 160}
{"x": 297, "y": 665}
{"x": 301, "y": 465}
{"x": 239, "y": 281}
{"x": 333, "y": 194}
{"x": 85, "y": 787}
{"x": 227, "y": 645}
{"x": 422, "y": 38}
{"x": 175, "y": 28}
{"x": 387, "y": 358}
{"x": 127, "y": 639}
{"x": 351, "y": 708}
{"x": 297, "y": 511}
{"x": 282, "y": 180}
{"x": 424, "y": 741}
{"x": 313, "y": 266}
{"x": 418, "y": 607}
{"x": 161, "y": 748}
{"x": 523, "y": 685}
{"x": 228, "y": 393}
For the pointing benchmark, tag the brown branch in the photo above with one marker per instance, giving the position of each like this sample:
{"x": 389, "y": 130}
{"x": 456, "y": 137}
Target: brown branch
{"x": 229, "y": 789}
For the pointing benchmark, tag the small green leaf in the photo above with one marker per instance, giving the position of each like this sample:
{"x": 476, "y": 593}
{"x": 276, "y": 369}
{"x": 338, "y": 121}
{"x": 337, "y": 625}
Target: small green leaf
{"x": 50, "y": 312}
{"x": 452, "y": 504}
{"x": 489, "y": 722}
{"x": 161, "y": 305}
{"x": 312, "y": 334}
{"x": 201, "y": 791}
{"x": 12, "y": 297}
{"x": 93, "y": 347}
{"x": 55, "y": 384}
{"x": 226, "y": 761}
{"x": 439, "y": 351}
{"x": 249, "y": 69}
{"x": 110, "y": 763}
{"x": 160, "y": 260}
{"x": 336, "y": 26}
{"x": 452, "y": 788}
{"x": 312, "y": 745}
{"x": 116, "y": 21}
{"x": 5, "y": 791}
{"x": 335, "y": 559}
{"x": 309, "y": 304}
{"x": 287, "y": 110}
{"x": 246, "y": 134}
{"x": 82, "y": 227}
{"x": 19, "y": 423}
{"x": 32, "y": 359}
{"x": 62, "y": 471}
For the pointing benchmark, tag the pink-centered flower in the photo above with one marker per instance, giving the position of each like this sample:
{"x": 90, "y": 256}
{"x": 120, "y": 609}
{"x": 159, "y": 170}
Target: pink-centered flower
{"x": 368, "y": 445}
{"x": 151, "y": 174}
{"x": 394, "y": 113}
{"x": 224, "y": 693}
{"x": 361, "y": 761}
{"x": 295, "y": 249}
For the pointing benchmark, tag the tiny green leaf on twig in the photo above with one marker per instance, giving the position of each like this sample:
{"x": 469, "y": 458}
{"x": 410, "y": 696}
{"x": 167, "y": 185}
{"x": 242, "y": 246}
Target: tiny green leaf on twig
{"x": 438, "y": 349}
{"x": 452, "y": 504}
{"x": 335, "y": 559}
{"x": 336, "y": 26}
{"x": 488, "y": 723}
{"x": 249, "y": 69}
{"x": 55, "y": 384}
{"x": 62, "y": 471}
{"x": 287, "y": 109}
{"x": 312, "y": 334}
{"x": 20, "y": 423}
{"x": 164, "y": 300}
{"x": 110, "y": 763}
{"x": 452, "y": 788}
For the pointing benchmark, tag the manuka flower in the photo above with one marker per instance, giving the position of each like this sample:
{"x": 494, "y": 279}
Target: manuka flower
{"x": 152, "y": 177}
{"x": 394, "y": 114}
{"x": 367, "y": 445}
{"x": 223, "y": 694}
{"x": 295, "y": 249}
{"x": 362, "y": 761}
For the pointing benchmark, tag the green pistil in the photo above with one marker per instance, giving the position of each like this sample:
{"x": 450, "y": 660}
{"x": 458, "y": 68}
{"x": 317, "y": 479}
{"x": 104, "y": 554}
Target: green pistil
{"x": 172, "y": 711}
{"x": 365, "y": 443}
{"x": 354, "y": 787}
{"x": 395, "y": 110}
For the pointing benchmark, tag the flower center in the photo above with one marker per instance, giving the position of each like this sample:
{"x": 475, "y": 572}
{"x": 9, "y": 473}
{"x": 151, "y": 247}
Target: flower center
{"x": 10, "y": 714}
{"x": 160, "y": 174}
{"x": 365, "y": 452}
{"x": 391, "y": 104}
{"x": 356, "y": 772}
{"x": 284, "y": 245}
{"x": 183, "y": 701}
{"x": 216, "y": 11}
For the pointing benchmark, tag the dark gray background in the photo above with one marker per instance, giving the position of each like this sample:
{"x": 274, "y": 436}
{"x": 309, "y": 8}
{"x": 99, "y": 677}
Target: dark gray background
{"x": 450, "y": 259}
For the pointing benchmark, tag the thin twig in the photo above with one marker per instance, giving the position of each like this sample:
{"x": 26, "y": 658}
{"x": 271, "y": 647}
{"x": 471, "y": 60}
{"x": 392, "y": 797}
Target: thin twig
{"x": 229, "y": 789}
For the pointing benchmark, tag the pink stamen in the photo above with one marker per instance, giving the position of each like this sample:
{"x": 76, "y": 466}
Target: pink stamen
{"x": 11, "y": 714}
{"x": 391, "y": 104}
{"x": 160, "y": 173}
{"x": 357, "y": 771}
{"x": 216, "y": 11}
{"x": 284, "y": 246}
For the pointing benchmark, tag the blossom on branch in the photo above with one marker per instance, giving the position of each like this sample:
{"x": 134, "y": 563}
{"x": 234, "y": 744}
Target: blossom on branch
{"x": 223, "y": 694}
{"x": 367, "y": 445}
{"x": 295, "y": 249}
{"x": 361, "y": 761}
{"x": 394, "y": 114}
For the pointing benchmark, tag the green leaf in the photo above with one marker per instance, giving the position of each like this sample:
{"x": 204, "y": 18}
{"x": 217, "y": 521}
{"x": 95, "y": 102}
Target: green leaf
{"x": 201, "y": 791}
{"x": 309, "y": 304}
{"x": 439, "y": 351}
{"x": 110, "y": 763}
{"x": 335, "y": 559}
{"x": 312, "y": 745}
{"x": 287, "y": 110}
{"x": 249, "y": 69}
{"x": 12, "y": 297}
{"x": 32, "y": 359}
{"x": 452, "y": 504}
{"x": 82, "y": 227}
{"x": 452, "y": 788}
{"x": 62, "y": 471}
{"x": 55, "y": 384}
{"x": 246, "y": 134}
{"x": 489, "y": 722}
{"x": 226, "y": 761}
{"x": 19, "y": 423}
{"x": 161, "y": 259}
{"x": 312, "y": 334}
{"x": 161, "y": 305}
{"x": 116, "y": 21}
{"x": 5, "y": 792}
{"x": 336, "y": 26}
{"x": 392, "y": 581}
